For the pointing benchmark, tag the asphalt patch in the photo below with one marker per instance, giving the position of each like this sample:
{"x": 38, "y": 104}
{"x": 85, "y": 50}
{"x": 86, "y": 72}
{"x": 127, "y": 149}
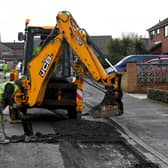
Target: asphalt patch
{"x": 71, "y": 135}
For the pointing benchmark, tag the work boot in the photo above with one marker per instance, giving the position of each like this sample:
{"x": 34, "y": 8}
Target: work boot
{"x": 4, "y": 141}
{"x": 29, "y": 138}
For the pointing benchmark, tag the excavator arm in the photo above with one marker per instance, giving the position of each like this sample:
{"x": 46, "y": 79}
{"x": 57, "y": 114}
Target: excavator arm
{"x": 41, "y": 68}
{"x": 77, "y": 38}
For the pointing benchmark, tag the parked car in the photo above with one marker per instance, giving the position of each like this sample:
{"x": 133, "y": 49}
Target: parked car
{"x": 121, "y": 66}
{"x": 157, "y": 61}
{"x": 1, "y": 63}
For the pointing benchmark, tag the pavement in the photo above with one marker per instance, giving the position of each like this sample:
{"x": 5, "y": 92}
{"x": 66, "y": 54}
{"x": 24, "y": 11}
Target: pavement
{"x": 148, "y": 121}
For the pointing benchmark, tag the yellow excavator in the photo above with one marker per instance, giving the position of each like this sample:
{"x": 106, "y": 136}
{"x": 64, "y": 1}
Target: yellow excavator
{"x": 50, "y": 78}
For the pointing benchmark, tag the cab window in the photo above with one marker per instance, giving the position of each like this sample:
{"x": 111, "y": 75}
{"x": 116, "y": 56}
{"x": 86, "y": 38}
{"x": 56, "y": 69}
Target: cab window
{"x": 155, "y": 62}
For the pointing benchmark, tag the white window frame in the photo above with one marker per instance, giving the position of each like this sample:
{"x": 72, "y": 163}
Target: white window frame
{"x": 158, "y": 31}
{"x": 166, "y": 31}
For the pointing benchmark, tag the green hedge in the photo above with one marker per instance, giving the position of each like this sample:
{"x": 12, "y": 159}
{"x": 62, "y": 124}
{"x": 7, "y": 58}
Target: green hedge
{"x": 158, "y": 95}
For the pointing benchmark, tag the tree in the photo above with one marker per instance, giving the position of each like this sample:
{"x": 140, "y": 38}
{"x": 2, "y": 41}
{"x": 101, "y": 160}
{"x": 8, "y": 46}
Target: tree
{"x": 115, "y": 50}
{"x": 127, "y": 45}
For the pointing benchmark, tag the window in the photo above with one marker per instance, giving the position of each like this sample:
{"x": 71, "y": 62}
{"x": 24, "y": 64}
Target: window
{"x": 158, "y": 31}
{"x": 151, "y": 35}
{"x": 154, "y": 62}
{"x": 133, "y": 59}
{"x": 164, "y": 61}
{"x": 4, "y": 53}
{"x": 166, "y": 31}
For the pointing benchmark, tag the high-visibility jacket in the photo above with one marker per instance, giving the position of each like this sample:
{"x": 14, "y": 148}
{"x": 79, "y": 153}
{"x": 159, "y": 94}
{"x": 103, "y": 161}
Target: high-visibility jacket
{"x": 2, "y": 89}
{"x": 5, "y": 67}
{"x": 36, "y": 50}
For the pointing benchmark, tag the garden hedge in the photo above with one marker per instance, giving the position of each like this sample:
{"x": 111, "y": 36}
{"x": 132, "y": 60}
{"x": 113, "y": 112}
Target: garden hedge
{"x": 158, "y": 95}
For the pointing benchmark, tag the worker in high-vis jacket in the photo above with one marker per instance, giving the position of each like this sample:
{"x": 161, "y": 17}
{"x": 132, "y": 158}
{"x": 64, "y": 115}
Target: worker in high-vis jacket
{"x": 5, "y": 69}
{"x": 7, "y": 92}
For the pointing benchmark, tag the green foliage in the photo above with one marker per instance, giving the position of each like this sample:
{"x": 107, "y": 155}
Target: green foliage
{"x": 115, "y": 50}
{"x": 127, "y": 45}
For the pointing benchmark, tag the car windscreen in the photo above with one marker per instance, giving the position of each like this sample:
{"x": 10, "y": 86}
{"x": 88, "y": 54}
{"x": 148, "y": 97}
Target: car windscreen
{"x": 127, "y": 59}
{"x": 121, "y": 61}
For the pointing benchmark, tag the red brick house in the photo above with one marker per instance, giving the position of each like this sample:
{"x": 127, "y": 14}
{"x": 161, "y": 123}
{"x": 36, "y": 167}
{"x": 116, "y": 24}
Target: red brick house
{"x": 159, "y": 37}
{"x": 11, "y": 50}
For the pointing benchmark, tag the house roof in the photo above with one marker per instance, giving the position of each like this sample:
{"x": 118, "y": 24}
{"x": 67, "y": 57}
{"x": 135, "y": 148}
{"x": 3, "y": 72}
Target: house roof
{"x": 14, "y": 45}
{"x": 100, "y": 41}
{"x": 4, "y": 47}
{"x": 159, "y": 25}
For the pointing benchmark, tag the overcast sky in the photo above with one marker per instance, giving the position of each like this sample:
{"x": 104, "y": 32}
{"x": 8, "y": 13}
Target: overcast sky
{"x": 98, "y": 17}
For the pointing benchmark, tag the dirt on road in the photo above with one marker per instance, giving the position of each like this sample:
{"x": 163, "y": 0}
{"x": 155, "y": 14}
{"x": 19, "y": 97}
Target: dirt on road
{"x": 74, "y": 144}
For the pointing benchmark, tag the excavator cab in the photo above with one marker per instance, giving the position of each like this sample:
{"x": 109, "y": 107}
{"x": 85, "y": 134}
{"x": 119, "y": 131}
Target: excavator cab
{"x": 33, "y": 37}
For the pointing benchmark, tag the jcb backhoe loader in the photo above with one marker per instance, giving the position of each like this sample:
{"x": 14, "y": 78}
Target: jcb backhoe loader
{"x": 48, "y": 76}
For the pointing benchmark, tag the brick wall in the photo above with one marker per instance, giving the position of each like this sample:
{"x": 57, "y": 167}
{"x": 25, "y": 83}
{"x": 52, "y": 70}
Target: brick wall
{"x": 131, "y": 76}
{"x": 130, "y": 84}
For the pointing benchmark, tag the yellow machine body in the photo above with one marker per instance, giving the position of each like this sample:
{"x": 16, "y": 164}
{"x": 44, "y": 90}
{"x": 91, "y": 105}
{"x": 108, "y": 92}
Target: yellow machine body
{"x": 42, "y": 67}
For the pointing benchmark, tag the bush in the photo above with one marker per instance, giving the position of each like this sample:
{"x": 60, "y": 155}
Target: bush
{"x": 158, "y": 95}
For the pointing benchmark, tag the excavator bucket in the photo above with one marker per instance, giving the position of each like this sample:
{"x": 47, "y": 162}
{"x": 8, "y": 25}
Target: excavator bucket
{"x": 110, "y": 106}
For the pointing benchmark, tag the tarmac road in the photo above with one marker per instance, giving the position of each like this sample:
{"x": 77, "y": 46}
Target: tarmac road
{"x": 70, "y": 153}
{"x": 77, "y": 144}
